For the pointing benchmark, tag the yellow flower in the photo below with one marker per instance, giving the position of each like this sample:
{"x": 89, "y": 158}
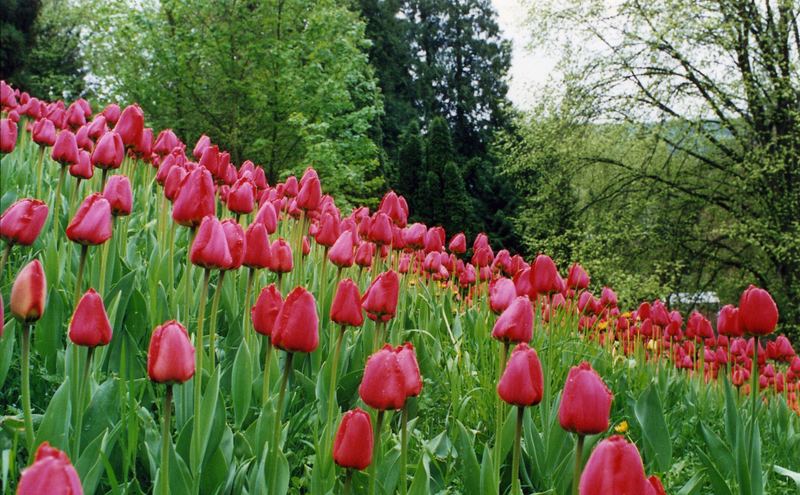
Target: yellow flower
{"x": 602, "y": 325}
{"x": 626, "y": 314}
{"x": 622, "y": 427}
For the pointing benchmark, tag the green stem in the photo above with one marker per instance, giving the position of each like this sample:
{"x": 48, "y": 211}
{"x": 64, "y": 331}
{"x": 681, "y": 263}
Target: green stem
{"x": 101, "y": 283}
{"x": 212, "y": 331}
{"x": 754, "y": 392}
{"x": 187, "y": 295}
{"x": 265, "y": 385}
{"x": 276, "y": 432}
{"x": 39, "y": 171}
{"x": 26, "y": 388}
{"x": 73, "y": 197}
{"x": 82, "y": 386}
{"x": 79, "y": 278}
{"x": 404, "y": 451}
{"x": 103, "y": 180}
{"x": 332, "y": 388}
{"x": 4, "y": 258}
{"x": 198, "y": 376}
{"x": 499, "y": 416}
{"x": 576, "y": 474}
{"x": 348, "y": 482}
{"x": 248, "y": 293}
{"x": 166, "y": 437}
{"x": 515, "y": 488}
{"x": 57, "y": 207}
{"x": 376, "y": 452}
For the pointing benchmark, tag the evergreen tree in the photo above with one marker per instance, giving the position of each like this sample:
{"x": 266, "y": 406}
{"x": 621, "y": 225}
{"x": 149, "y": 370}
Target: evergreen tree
{"x": 439, "y": 146}
{"x": 456, "y": 215}
{"x": 409, "y": 166}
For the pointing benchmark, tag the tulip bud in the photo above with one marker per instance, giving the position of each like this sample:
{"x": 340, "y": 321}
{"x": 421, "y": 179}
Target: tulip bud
{"x": 265, "y": 311}
{"x": 577, "y": 278}
{"x": 51, "y": 473}
{"x": 268, "y": 217}
{"x": 516, "y": 322}
{"x": 83, "y": 169}
{"x": 352, "y": 447}
{"x": 234, "y": 235}
{"x": 29, "y": 293}
{"x": 130, "y": 125}
{"x": 256, "y": 247}
{"x": 202, "y": 143}
{"x": 758, "y": 313}
{"x": 119, "y": 195}
{"x": 346, "y": 306}
{"x": 310, "y": 194}
{"x": 407, "y": 358}
{"x": 22, "y": 222}
{"x": 170, "y": 358}
{"x": 608, "y": 298}
{"x": 380, "y": 299}
{"x": 8, "y": 135}
{"x": 615, "y": 466}
{"x": 544, "y": 275}
{"x": 328, "y": 232}
{"x": 91, "y": 224}
{"x": 241, "y": 197}
{"x": 585, "y": 403}
{"x": 166, "y": 142}
{"x": 210, "y": 246}
{"x": 458, "y": 244}
{"x": 195, "y": 198}
{"x": 109, "y": 151}
{"x": 522, "y": 383}
{"x": 111, "y": 113}
{"x": 414, "y": 235}
{"x": 364, "y": 254}
{"x": 89, "y": 325}
{"x": 501, "y": 294}
{"x": 281, "y": 257}
{"x": 297, "y": 325}
{"x": 65, "y": 149}
{"x": 44, "y": 132}
{"x": 383, "y": 385}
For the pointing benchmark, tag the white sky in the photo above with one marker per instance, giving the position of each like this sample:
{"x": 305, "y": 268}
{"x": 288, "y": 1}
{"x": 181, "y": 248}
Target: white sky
{"x": 528, "y": 68}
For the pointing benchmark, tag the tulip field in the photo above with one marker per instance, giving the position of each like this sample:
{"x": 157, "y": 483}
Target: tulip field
{"x": 174, "y": 324}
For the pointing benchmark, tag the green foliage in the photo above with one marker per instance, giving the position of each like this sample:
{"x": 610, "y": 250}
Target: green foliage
{"x": 287, "y": 85}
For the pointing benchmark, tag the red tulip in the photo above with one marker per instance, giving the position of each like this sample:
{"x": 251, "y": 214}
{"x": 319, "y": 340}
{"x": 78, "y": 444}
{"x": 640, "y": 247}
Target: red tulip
{"x": 544, "y": 275}
{"x": 383, "y": 385}
{"x": 111, "y": 113}
{"x": 242, "y": 196}
{"x": 585, "y": 403}
{"x": 577, "y": 278}
{"x": 170, "y": 358}
{"x": 522, "y": 383}
{"x": 8, "y": 135}
{"x": 29, "y": 292}
{"x": 380, "y": 299}
{"x": 65, "y": 149}
{"x": 210, "y": 160}
{"x": 352, "y": 447}
{"x": 83, "y": 169}
{"x": 265, "y": 311}
{"x": 130, "y": 125}
{"x": 22, "y": 222}
{"x": 89, "y": 325}
{"x": 109, "y": 151}
{"x": 380, "y": 229}
{"x": 297, "y": 325}
{"x": 143, "y": 148}
{"x": 51, "y": 473}
{"x": 44, "y": 132}
{"x": 256, "y": 247}
{"x": 75, "y": 115}
{"x": 516, "y": 322}
{"x": 91, "y": 224}
{"x": 758, "y": 313}
{"x": 407, "y": 358}
{"x": 119, "y": 195}
{"x": 458, "y": 244}
{"x": 328, "y": 232}
{"x": 501, "y": 294}
{"x": 210, "y": 246}
{"x": 172, "y": 185}
{"x": 346, "y": 306}
{"x": 414, "y": 235}
{"x": 310, "y": 194}
{"x": 280, "y": 257}
{"x": 96, "y": 128}
{"x": 615, "y": 467}
{"x": 728, "y": 321}
{"x": 608, "y": 298}
{"x": 268, "y": 217}
{"x": 195, "y": 199}
{"x": 394, "y": 206}
{"x": 202, "y": 143}
{"x": 234, "y": 235}
{"x": 166, "y": 142}
{"x": 658, "y": 488}
{"x": 364, "y": 254}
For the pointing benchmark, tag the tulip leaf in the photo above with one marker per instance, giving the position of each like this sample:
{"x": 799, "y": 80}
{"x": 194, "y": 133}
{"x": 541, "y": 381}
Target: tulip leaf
{"x": 242, "y": 383}
{"x": 650, "y": 414}
{"x": 420, "y": 485}
{"x": 7, "y": 350}
{"x": 693, "y": 485}
{"x": 488, "y": 479}
{"x": 717, "y": 481}
{"x": 208, "y": 408}
{"x": 470, "y": 471}
{"x": 793, "y": 475}
{"x": 54, "y": 427}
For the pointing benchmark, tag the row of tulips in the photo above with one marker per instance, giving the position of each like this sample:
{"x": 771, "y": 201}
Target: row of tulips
{"x": 279, "y": 229}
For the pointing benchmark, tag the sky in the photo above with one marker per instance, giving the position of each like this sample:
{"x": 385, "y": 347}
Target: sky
{"x": 528, "y": 68}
